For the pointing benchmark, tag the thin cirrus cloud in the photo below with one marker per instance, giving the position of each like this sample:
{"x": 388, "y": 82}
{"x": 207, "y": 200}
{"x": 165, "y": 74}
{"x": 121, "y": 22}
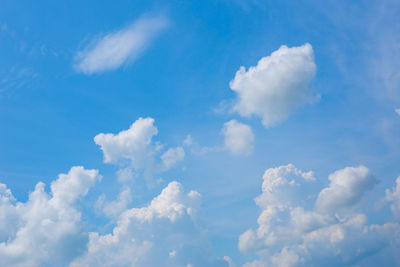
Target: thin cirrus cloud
{"x": 278, "y": 85}
{"x": 119, "y": 48}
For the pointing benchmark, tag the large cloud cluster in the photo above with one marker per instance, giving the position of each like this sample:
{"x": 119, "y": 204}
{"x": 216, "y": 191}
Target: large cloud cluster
{"x": 297, "y": 228}
{"x": 47, "y": 228}
{"x": 277, "y": 85}
{"x": 160, "y": 234}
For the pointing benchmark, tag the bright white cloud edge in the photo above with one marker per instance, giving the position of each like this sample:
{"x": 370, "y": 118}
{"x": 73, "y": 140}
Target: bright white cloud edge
{"x": 329, "y": 229}
{"x": 276, "y": 86}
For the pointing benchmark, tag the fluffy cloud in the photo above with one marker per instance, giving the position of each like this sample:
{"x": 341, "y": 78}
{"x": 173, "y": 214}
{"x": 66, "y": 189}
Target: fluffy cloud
{"x": 276, "y": 86}
{"x": 135, "y": 146}
{"x": 132, "y": 144}
{"x": 346, "y": 188}
{"x": 397, "y": 111}
{"x": 47, "y": 228}
{"x": 297, "y": 228}
{"x": 117, "y": 48}
{"x": 394, "y": 197}
{"x": 239, "y": 138}
{"x": 160, "y": 234}
{"x": 172, "y": 156}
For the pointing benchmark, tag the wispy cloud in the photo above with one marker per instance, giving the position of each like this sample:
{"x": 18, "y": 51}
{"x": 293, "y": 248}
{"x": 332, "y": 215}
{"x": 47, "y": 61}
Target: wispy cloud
{"x": 121, "y": 47}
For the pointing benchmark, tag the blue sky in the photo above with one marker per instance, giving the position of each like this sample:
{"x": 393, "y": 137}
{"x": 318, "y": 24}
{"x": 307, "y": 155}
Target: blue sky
{"x": 212, "y": 133}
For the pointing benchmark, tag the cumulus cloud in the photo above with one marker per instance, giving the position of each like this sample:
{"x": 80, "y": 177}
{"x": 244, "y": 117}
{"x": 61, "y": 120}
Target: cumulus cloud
{"x": 115, "y": 49}
{"x": 346, "y": 188}
{"x": 297, "y": 229}
{"x": 397, "y": 110}
{"x": 276, "y": 86}
{"x": 132, "y": 144}
{"x": 239, "y": 138}
{"x": 135, "y": 146}
{"x": 394, "y": 197}
{"x": 47, "y": 228}
{"x": 159, "y": 234}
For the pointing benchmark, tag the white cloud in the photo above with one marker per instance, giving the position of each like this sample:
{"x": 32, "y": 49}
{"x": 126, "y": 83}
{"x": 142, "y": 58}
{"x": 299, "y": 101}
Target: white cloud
{"x": 229, "y": 261}
{"x": 172, "y": 254}
{"x": 171, "y": 204}
{"x": 125, "y": 175}
{"x": 121, "y": 47}
{"x": 397, "y": 110}
{"x": 188, "y": 140}
{"x": 172, "y": 156}
{"x": 394, "y": 197}
{"x": 132, "y": 144}
{"x": 159, "y": 234}
{"x": 346, "y": 188}
{"x": 295, "y": 230}
{"x": 135, "y": 147}
{"x": 276, "y": 86}
{"x": 116, "y": 207}
{"x": 46, "y": 229}
{"x": 239, "y": 138}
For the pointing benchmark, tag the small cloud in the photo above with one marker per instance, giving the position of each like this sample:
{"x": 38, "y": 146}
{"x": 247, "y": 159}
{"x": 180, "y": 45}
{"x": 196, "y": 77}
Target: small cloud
{"x": 239, "y": 138}
{"x": 172, "y": 156}
{"x": 397, "y": 110}
{"x": 188, "y": 140}
{"x": 121, "y": 47}
{"x": 172, "y": 254}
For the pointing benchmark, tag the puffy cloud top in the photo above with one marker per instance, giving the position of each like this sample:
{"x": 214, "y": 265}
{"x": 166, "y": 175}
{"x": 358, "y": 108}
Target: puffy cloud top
{"x": 170, "y": 204}
{"x": 140, "y": 230}
{"x": 46, "y": 229}
{"x": 295, "y": 230}
{"x": 129, "y": 144}
{"x": 346, "y": 188}
{"x": 276, "y": 85}
{"x": 135, "y": 147}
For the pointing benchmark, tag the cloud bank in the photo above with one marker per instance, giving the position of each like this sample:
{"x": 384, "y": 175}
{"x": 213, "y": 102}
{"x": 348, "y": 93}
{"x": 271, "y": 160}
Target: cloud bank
{"x": 276, "y": 86}
{"x": 294, "y": 230}
{"x": 47, "y": 228}
{"x": 119, "y": 48}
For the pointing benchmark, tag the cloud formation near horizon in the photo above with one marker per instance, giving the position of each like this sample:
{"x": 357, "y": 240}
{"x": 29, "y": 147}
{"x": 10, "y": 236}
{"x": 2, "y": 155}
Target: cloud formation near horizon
{"x": 276, "y": 86}
{"x": 47, "y": 228}
{"x": 325, "y": 230}
{"x": 119, "y": 48}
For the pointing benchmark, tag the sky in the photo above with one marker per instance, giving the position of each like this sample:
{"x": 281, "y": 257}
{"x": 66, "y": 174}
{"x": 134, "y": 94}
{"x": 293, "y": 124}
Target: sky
{"x": 200, "y": 133}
